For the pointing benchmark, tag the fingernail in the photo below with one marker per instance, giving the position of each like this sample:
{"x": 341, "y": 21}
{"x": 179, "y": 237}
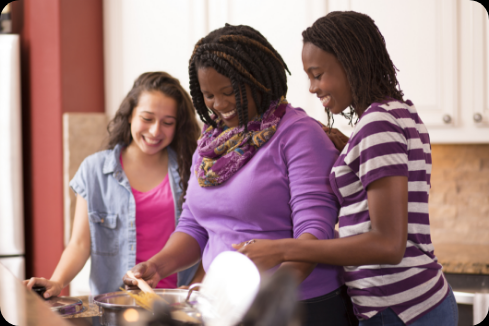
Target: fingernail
{"x": 47, "y": 295}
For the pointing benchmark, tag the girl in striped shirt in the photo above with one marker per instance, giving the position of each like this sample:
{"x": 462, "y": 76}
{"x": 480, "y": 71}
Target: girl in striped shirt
{"x": 381, "y": 180}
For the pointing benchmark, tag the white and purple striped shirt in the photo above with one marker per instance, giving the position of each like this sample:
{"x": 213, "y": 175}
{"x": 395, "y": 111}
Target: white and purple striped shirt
{"x": 390, "y": 140}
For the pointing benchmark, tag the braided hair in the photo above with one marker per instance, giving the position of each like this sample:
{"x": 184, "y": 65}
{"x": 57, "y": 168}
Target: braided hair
{"x": 244, "y": 55}
{"x": 359, "y": 46}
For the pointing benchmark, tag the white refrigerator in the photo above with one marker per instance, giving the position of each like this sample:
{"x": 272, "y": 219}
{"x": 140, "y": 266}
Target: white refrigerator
{"x": 12, "y": 247}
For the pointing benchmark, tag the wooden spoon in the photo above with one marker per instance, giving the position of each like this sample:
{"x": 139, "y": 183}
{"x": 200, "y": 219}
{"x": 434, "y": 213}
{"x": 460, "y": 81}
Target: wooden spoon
{"x": 141, "y": 283}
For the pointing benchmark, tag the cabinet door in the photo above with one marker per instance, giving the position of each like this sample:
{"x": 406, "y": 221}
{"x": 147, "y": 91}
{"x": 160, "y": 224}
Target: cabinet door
{"x": 421, "y": 38}
{"x": 478, "y": 34}
{"x": 422, "y": 43}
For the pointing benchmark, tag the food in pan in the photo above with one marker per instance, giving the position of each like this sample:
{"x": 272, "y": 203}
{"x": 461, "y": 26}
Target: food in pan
{"x": 144, "y": 299}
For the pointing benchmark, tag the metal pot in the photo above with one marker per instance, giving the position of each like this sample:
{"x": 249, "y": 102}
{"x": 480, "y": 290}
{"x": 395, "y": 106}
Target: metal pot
{"x": 113, "y": 305}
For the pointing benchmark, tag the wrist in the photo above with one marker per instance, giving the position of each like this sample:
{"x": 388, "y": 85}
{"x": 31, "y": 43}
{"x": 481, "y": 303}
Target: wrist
{"x": 58, "y": 283}
{"x": 284, "y": 246}
{"x": 159, "y": 268}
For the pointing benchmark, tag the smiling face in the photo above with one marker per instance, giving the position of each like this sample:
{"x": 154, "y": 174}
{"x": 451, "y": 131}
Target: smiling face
{"x": 327, "y": 78}
{"x": 220, "y": 98}
{"x": 153, "y": 122}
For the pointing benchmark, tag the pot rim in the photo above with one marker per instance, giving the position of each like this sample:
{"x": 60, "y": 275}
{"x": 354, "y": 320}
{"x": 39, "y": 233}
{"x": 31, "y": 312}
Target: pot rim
{"x": 97, "y": 299}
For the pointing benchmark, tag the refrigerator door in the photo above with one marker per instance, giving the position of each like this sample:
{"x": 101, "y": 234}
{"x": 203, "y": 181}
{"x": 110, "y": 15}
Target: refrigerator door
{"x": 11, "y": 199}
{"x": 16, "y": 265}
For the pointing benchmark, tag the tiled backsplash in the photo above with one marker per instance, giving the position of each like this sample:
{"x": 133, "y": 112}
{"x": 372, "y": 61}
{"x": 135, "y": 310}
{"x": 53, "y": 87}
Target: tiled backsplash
{"x": 459, "y": 196}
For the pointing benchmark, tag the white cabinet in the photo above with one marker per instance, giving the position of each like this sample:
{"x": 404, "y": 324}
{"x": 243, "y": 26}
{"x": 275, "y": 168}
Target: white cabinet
{"x": 475, "y": 64}
{"x": 421, "y": 39}
{"x": 439, "y": 46}
{"x": 441, "y": 50}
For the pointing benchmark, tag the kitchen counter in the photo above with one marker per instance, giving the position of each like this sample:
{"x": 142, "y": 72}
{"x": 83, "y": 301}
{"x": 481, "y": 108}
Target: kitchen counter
{"x": 463, "y": 258}
{"x": 20, "y": 306}
{"x": 91, "y": 309}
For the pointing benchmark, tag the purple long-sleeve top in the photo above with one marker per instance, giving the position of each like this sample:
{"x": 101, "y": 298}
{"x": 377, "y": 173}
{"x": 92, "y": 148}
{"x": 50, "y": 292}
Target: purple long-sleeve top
{"x": 282, "y": 192}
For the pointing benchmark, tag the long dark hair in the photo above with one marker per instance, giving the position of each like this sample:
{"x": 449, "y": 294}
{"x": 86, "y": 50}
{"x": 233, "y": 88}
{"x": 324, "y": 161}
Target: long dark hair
{"x": 186, "y": 132}
{"x": 359, "y": 46}
{"x": 244, "y": 55}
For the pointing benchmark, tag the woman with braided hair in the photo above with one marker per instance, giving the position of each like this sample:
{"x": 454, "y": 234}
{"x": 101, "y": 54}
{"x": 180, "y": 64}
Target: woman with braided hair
{"x": 381, "y": 180}
{"x": 254, "y": 175}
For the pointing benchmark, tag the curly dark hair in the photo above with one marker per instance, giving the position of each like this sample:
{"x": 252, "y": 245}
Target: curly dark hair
{"x": 186, "y": 132}
{"x": 244, "y": 55}
{"x": 359, "y": 46}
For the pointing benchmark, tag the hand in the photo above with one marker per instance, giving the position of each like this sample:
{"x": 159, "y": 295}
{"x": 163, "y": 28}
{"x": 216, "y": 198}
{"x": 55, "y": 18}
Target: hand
{"x": 52, "y": 288}
{"x": 339, "y": 140}
{"x": 264, "y": 253}
{"x": 147, "y": 271}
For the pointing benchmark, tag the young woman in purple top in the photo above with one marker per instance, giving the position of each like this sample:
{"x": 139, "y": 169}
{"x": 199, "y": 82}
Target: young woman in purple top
{"x": 253, "y": 175}
{"x": 381, "y": 180}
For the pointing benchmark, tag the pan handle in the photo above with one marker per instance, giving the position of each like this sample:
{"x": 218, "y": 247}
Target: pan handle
{"x": 192, "y": 289}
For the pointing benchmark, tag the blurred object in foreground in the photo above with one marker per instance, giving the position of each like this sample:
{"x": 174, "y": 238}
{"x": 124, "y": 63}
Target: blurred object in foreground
{"x": 5, "y": 20}
{"x": 276, "y": 302}
{"x": 229, "y": 288}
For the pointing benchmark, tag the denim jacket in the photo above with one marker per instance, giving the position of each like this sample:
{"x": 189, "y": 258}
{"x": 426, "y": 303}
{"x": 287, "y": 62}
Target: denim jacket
{"x": 112, "y": 217}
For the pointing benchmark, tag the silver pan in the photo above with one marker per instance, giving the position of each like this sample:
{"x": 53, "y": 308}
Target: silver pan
{"x": 113, "y": 305}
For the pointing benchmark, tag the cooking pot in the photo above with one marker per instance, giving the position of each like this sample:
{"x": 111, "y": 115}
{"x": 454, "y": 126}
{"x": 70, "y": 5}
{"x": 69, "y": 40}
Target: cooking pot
{"x": 113, "y": 305}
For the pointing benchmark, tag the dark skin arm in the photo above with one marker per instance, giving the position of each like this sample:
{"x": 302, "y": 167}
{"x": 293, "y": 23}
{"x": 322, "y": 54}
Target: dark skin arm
{"x": 300, "y": 270}
{"x": 180, "y": 252}
{"x": 385, "y": 243}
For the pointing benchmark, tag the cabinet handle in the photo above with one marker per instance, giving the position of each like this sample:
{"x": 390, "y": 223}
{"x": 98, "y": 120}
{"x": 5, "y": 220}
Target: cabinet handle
{"x": 477, "y": 117}
{"x": 447, "y": 118}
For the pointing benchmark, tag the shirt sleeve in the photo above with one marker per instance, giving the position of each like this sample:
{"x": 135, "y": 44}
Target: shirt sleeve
{"x": 187, "y": 223}
{"x": 310, "y": 155}
{"x": 79, "y": 182}
{"x": 378, "y": 149}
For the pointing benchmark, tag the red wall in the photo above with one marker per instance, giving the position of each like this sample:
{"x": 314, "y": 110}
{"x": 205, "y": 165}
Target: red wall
{"x": 62, "y": 71}
{"x": 82, "y": 62}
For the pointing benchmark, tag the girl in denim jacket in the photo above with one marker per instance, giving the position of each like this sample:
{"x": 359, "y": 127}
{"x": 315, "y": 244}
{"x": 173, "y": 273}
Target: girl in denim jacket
{"x": 129, "y": 196}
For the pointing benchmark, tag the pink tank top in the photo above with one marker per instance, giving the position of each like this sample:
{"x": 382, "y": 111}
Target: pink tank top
{"x": 155, "y": 222}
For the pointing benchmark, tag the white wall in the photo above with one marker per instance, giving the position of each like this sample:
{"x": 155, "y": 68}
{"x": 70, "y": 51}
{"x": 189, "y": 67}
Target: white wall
{"x": 149, "y": 35}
